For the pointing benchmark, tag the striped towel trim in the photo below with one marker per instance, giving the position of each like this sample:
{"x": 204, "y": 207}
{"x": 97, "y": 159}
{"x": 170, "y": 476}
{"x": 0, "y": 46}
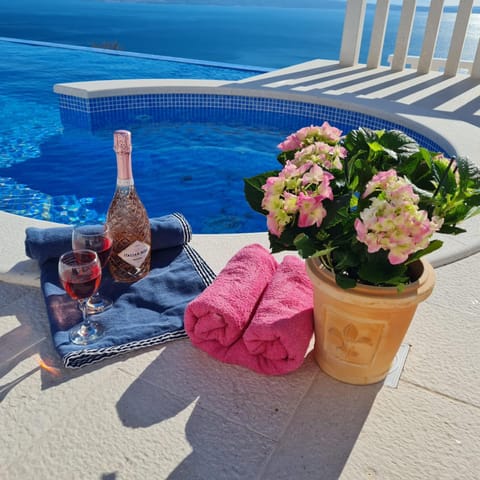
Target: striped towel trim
{"x": 187, "y": 229}
{"x": 205, "y": 272}
{"x": 83, "y": 358}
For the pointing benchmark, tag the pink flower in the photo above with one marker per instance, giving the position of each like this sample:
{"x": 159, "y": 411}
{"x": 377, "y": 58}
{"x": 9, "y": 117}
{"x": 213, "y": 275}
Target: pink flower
{"x": 330, "y": 133}
{"x": 292, "y": 142}
{"x": 317, "y": 176}
{"x": 311, "y": 210}
{"x": 397, "y": 258}
{"x": 291, "y": 203}
{"x": 393, "y": 221}
{"x": 325, "y": 155}
{"x": 361, "y": 230}
{"x": 296, "y": 190}
{"x": 309, "y": 135}
{"x": 273, "y": 226}
{"x": 380, "y": 181}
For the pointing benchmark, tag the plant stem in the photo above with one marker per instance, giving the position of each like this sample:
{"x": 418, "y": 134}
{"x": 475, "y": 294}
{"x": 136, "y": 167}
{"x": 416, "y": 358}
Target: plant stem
{"x": 444, "y": 176}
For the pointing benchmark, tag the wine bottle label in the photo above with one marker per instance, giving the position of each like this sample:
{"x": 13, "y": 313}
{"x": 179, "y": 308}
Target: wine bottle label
{"x": 135, "y": 253}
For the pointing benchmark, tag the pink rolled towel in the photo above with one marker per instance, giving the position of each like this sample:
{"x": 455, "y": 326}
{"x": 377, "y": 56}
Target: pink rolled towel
{"x": 220, "y": 314}
{"x": 281, "y": 329}
{"x": 277, "y": 338}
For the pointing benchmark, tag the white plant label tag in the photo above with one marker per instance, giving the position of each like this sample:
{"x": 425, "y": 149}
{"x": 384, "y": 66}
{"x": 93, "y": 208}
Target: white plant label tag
{"x": 135, "y": 253}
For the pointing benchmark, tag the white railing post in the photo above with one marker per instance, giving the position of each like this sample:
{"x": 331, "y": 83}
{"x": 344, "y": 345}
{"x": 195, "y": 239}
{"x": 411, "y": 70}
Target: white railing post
{"x": 458, "y": 37}
{"x": 431, "y": 35}
{"x": 352, "y": 32}
{"x": 378, "y": 34}
{"x": 403, "y": 35}
{"x": 476, "y": 64}
{"x": 426, "y": 62}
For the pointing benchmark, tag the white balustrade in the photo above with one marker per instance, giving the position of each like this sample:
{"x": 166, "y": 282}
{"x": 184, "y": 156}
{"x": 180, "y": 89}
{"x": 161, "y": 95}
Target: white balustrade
{"x": 403, "y": 35}
{"x": 458, "y": 37}
{"x": 353, "y": 31}
{"x": 431, "y": 35}
{"x": 378, "y": 33}
{"x": 476, "y": 63}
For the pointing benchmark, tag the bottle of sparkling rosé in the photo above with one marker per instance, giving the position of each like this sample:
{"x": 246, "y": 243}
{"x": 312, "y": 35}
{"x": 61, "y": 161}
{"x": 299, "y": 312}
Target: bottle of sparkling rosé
{"x": 127, "y": 219}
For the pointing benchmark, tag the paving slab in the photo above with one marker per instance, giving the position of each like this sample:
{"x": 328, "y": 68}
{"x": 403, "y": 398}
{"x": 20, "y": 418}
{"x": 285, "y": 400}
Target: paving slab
{"x": 172, "y": 412}
{"x": 93, "y": 437}
{"x": 262, "y": 403}
{"x": 416, "y": 434}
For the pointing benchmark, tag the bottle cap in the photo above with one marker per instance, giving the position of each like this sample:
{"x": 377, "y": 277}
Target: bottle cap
{"x": 122, "y": 141}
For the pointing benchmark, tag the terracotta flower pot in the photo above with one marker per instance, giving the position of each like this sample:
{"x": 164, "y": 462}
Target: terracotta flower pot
{"x": 359, "y": 331}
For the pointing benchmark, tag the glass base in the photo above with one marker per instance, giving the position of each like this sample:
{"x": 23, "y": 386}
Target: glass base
{"x": 86, "y": 334}
{"x": 98, "y": 304}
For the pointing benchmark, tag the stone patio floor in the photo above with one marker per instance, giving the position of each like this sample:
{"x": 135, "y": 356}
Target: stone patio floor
{"x": 172, "y": 412}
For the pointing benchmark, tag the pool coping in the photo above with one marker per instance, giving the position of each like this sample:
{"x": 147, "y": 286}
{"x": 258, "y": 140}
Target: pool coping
{"x": 454, "y": 141}
{"x": 17, "y": 268}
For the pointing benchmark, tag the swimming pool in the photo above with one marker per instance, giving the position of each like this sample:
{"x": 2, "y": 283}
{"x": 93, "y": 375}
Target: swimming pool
{"x": 32, "y": 136}
{"x": 196, "y": 170}
{"x": 29, "y": 71}
{"x": 191, "y": 150}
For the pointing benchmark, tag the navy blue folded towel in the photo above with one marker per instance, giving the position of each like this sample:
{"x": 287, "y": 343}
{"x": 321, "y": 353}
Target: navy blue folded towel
{"x": 42, "y": 244}
{"x": 146, "y": 313}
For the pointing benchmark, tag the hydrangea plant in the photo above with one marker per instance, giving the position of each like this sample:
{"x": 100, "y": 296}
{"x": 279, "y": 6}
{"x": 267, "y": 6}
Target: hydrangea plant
{"x": 367, "y": 204}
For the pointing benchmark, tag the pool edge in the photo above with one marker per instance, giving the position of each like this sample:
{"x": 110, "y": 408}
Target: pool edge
{"x": 110, "y": 89}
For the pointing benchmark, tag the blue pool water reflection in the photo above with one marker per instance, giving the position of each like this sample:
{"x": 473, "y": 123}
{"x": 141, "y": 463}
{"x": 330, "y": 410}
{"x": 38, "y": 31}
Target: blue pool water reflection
{"x": 193, "y": 168}
{"x": 189, "y": 157}
{"x": 69, "y": 176}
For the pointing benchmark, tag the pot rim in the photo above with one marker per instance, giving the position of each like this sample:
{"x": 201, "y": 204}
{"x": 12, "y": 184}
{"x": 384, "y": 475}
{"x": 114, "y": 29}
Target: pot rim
{"x": 422, "y": 287}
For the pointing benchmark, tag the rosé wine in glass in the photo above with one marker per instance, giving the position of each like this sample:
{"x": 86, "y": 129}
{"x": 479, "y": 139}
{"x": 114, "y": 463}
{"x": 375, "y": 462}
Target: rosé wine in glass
{"x": 80, "y": 273}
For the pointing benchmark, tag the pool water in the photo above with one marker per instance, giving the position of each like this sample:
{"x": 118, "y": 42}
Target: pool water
{"x": 68, "y": 176}
{"x": 193, "y": 168}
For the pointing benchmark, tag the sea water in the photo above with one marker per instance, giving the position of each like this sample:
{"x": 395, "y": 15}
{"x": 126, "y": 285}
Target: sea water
{"x": 266, "y": 33}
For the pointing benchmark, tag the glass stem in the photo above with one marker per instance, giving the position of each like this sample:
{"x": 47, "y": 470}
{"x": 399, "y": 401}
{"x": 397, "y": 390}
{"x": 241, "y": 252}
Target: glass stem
{"x": 85, "y": 316}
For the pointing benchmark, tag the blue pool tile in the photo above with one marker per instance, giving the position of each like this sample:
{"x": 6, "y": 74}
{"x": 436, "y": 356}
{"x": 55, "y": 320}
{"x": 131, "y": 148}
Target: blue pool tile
{"x": 111, "y": 112}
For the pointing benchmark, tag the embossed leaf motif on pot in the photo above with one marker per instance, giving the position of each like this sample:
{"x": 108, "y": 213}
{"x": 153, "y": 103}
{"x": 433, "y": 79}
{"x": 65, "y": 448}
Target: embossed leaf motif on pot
{"x": 348, "y": 341}
{"x": 363, "y": 209}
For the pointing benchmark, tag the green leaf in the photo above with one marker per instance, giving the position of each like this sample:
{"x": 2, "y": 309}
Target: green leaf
{"x": 469, "y": 174}
{"x": 392, "y": 154}
{"x": 377, "y": 270}
{"x": 305, "y": 245}
{"x": 357, "y": 140}
{"x": 445, "y": 175}
{"x": 417, "y": 167}
{"x": 400, "y": 143}
{"x": 278, "y": 244}
{"x": 324, "y": 253}
{"x": 376, "y": 147}
{"x": 432, "y": 246}
{"x": 346, "y": 259}
{"x": 474, "y": 210}
{"x": 451, "y": 230}
{"x": 337, "y": 210}
{"x": 344, "y": 282}
{"x": 282, "y": 157}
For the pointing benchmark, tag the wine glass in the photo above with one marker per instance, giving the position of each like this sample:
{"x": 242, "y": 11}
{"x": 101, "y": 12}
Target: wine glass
{"x": 98, "y": 239}
{"x": 80, "y": 272}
